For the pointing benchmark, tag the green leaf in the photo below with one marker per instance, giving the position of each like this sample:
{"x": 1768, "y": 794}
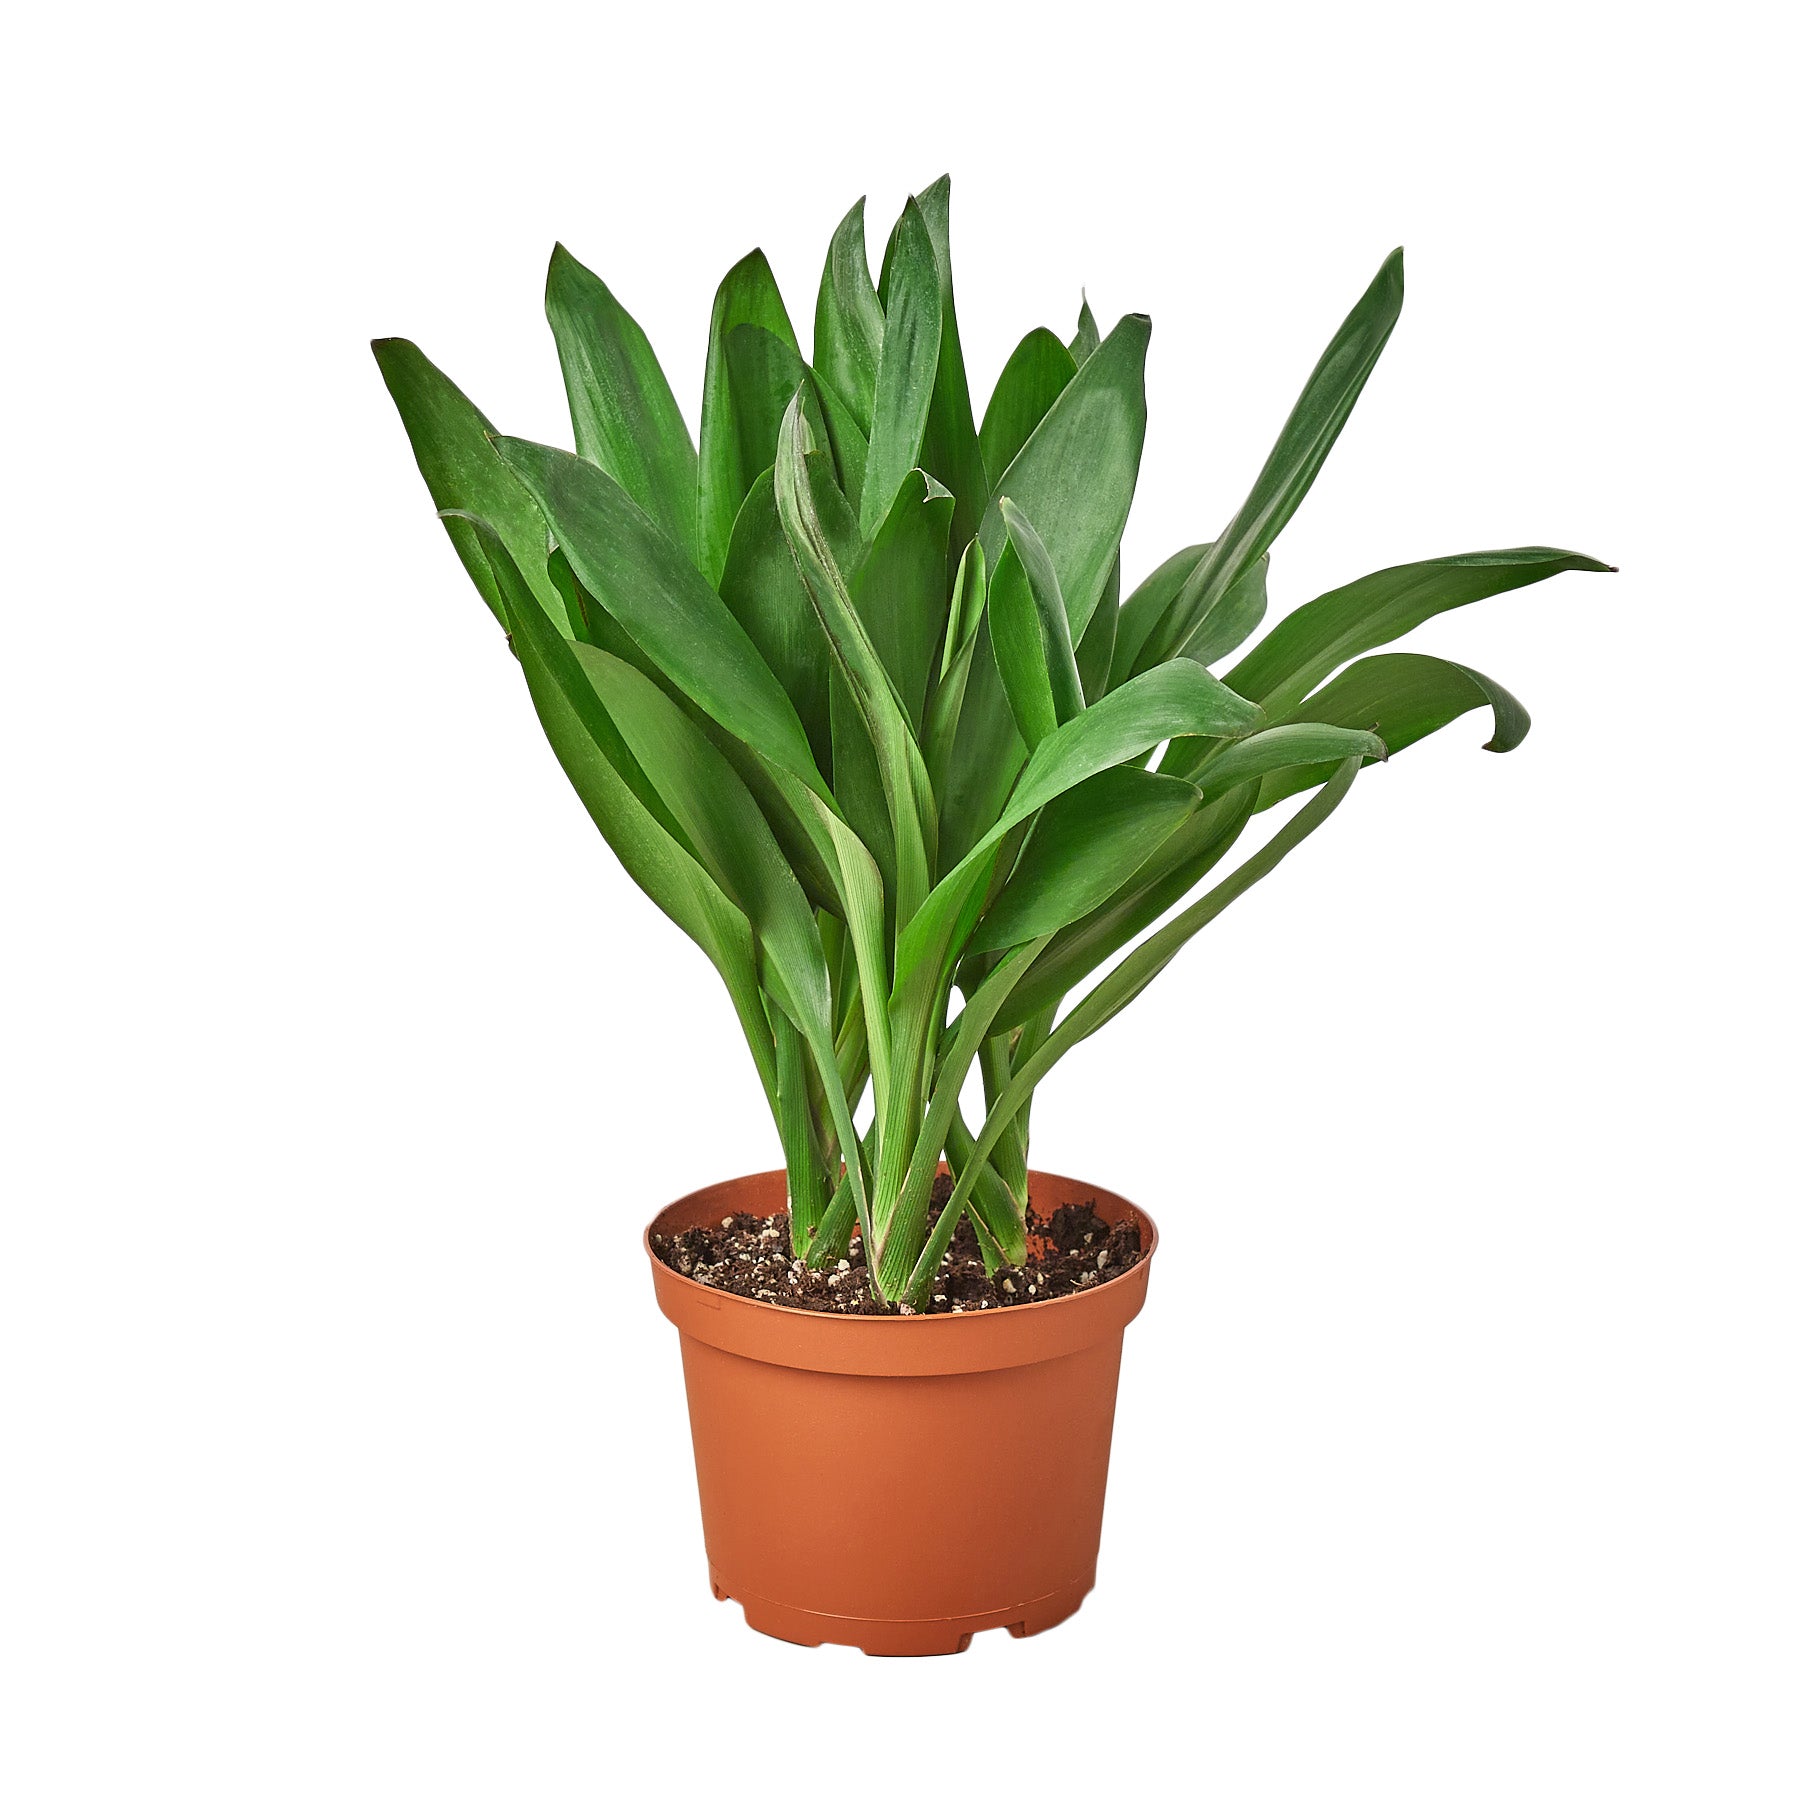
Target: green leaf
{"x": 1178, "y": 699}
{"x": 1286, "y": 747}
{"x": 451, "y": 443}
{"x": 1078, "y": 471}
{"x": 1030, "y": 633}
{"x": 1074, "y": 479}
{"x": 968, "y": 609}
{"x": 646, "y": 582}
{"x": 1316, "y": 638}
{"x": 1402, "y": 698}
{"x": 1232, "y": 617}
{"x": 951, "y": 451}
{"x": 736, "y": 431}
{"x": 724, "y": 825}
{"x": 1076, "y": 951}
{"x": 1094, "y": 654}
{"x": 908, "y": 370}
{"x": 1305, "y": 441}
{"x": 607, "y": 777}
{"x": 849, "y": 443}
{"x": 625, "y": 417}
{"x": 1085, "y": 846}
{"x": 847, "y": 321}
{"x": 1035, "y": 374}
{"x": 733, "y": 842}
{"x": 763, "y": 589}
{"x": 1140, "y": 968}
{"x": 901, "y": 588}
{"x": 883, "y": 715}
{"x": 1087, "y": 335}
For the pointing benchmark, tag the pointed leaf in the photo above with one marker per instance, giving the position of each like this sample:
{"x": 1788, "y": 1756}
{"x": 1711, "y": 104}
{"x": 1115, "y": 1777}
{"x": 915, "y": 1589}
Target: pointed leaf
{"x": 1030, "y": 633}
{"x": 763, "y": 589}
{"x": 1077, "y": 473}
{"x": 901, "y": 589}
{"x": 733, "y": 441}
{"x": 1306, "y": 439}
{"x": 1316, "y": 638}
{"x": 1035, "y": 374}
{"x": 589, "y": 746}
{"x": 451, "y": 444}
{"x": 847, "y": 321}
{"x": 625, "y": 417}
{"x": 1087, "y": 335}
{"x": 883, "y": 715}
{"x": 951, "y": 451}
{"x": 646, "y": 582}
{"x": 908, "y": 371}
{"x": 1094, "y": 654}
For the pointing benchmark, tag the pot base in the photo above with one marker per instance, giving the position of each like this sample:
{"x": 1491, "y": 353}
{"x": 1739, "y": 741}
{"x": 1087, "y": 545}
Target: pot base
{"x": 898, "y": 1637}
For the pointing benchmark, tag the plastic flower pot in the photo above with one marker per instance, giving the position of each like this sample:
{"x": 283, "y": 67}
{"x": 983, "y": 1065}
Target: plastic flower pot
{"x": 900, "y": 1483}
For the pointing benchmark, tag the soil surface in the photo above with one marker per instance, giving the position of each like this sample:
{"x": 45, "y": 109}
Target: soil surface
{"x": 747, "y": 1254}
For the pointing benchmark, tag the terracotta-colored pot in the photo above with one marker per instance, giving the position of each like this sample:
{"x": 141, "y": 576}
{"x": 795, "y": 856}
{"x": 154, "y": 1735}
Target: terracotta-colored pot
{"x": 900, "y": 1483}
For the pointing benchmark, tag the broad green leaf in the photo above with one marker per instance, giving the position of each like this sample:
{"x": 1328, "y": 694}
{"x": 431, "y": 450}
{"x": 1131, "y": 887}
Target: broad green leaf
{"x": 1035, "y": 374}
{"x": 1179, "y": 699}
{"x": 908, "y": 369}
{"x": 1305, "y": 441}
{"x": 778, "y": 794}
{"x": 1030, "y": 632}
{"x": 1402, "y": 698}
{"x": 849, "y": 443}
{"x": 1078, "y": 471}
{"x": 1286, "y": 747}
{"x": 733, "y": 439}
{"x": 901, "y": 588}
{"x": 1187, "y": 854}
{"x": 847, "y": 321}
{"x": 1232, "y": 617}
{"x": 625, "y": 417}
{"x": 883, "y": 714}
{"x": 763, "y": 589}
{"x": 1119, "y": 988}
{"x": 951, "y": 450}
{"x": 865, "y": 912}
{"x": 1318, "y": 637}
{"x": 1085, "y": 846}
{"x": 968, "y": 609}
{"x": 648, "y": 584}
{"x": 1074, "y": 479}
{"x": 1094, "y": 654}
{"x": 1087, "y": 334}
{"x": 451, "y": 442}
{"x": 733, "y": 842}
{"x": 586, "y": 743}
{"x": 726, "y": 828}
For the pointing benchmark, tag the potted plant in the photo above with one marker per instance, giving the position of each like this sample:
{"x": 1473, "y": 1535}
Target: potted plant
{"x": 852, "y": 692}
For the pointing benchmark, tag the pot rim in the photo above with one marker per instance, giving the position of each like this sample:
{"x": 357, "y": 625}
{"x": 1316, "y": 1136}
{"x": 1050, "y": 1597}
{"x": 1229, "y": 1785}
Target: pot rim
{"x": 915, "y": 1344}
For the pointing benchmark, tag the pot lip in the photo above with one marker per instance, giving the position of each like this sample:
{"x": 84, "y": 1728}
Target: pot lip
{"x": 963, "y": 1321}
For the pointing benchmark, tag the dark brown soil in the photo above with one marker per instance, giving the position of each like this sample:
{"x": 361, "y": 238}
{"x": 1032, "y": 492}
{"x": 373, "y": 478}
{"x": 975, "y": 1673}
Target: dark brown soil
{"x": 746, "y": 1254}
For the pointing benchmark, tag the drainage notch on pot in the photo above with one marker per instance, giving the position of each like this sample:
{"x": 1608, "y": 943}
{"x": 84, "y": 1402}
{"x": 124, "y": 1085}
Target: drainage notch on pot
{"x": 899, "y": 1484}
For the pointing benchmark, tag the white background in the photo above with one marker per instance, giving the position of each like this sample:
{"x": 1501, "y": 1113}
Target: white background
{"x": 1457, "y": 1447}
